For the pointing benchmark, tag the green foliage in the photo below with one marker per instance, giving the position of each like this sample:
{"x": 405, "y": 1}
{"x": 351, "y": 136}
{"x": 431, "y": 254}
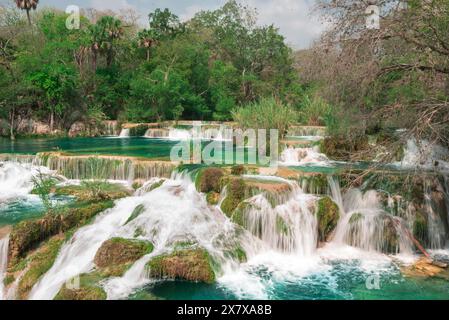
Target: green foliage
{"x": 43, "y": 186}
{"x": 266, "y": 114}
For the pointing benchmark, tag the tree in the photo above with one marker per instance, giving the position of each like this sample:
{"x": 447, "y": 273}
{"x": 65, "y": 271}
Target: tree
{"x": 104, "y": 35}
{"x": 164, "y": 24}
{"x": 147, "y": 40}
{"x": 27, "y": 5}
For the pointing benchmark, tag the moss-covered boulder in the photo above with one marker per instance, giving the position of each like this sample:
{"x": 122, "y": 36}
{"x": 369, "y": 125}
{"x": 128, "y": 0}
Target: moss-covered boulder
{"x": 213, "y": 198}
{"x": 36, "y": 265}
{"x": 238, "y": 170}
{"x": 190, "y": 265}
{"x": 328, "y": 215}
{"x": 209, "y": 180}
{"x": 235, "y": 195}
{"x": 119, "y": 251}
{"x": 27, "y": 235}
{"x": 88, "y": 288}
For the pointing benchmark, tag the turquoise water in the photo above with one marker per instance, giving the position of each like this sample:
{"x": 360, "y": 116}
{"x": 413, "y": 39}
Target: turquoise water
{"x": 28, "y": 207}
{"x": 344, "y": 280}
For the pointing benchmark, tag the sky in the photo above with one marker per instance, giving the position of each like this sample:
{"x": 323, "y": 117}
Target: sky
{"x": 292, "y": 17}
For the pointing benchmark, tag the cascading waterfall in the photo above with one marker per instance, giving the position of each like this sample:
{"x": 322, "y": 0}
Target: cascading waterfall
{"x": 200, "y": 132}
{"x": 366, "y": 225}
{"x": 3, "y": 263}
{"x": 16, "y": 179}
{"x": 124, "y": 133}
{"x": 113, "y": 168}
{"x": 426, "y": 155}
{"x": 303, "y": 156}
{"x": 173, "y": 212}
{"x": 290, "y": 227}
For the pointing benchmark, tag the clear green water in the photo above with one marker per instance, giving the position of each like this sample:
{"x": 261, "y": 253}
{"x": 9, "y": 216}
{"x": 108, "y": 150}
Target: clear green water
{"x": 25, "y": 208}
{"x": 342, "y": 281}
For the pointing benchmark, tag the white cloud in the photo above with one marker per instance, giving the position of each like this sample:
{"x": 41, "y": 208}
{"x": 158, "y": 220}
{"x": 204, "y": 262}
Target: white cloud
{"x": 292, "y": 17}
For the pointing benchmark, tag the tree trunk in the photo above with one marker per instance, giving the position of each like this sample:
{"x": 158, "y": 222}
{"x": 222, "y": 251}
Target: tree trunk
{"x": 28, "y": 16}
{"x": 52, "y": 119}
{"x": 11, "y": 124}
{"x": 148, "y": 55}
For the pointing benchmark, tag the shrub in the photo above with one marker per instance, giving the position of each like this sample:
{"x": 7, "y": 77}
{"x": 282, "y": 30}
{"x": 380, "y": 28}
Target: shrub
{"x": 266, "y": 114}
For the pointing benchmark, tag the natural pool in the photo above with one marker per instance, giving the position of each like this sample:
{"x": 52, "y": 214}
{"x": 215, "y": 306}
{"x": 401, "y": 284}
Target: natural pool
{"x": 329, "y": 273}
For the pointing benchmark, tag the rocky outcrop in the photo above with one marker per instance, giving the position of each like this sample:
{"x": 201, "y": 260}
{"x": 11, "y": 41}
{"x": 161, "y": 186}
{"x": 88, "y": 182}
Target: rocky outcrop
{"x": 28, "y": 234}
{"x": 119, "y": 251}
{"x": 88, "y": 288}
{"x": 190, "y": 265}
{"x": 209, "y": 180}
{"x": 328, "y": 215}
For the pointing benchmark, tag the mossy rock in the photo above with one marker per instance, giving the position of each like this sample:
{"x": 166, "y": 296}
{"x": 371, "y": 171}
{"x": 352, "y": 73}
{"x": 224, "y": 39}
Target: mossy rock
{"x": 119, "y": 251}
{"x": 103, "y": 191}
{"x": 328, "y": 215}
{"x": 89, "y": 289}
{"x": 235, "y": 195}
{"x": 213, "y": 198}
{"x": 238, "y": 170}
{"x": 136, "y": 212}
{"x": 190, "y": 265}
{"x": 208, "y": 180}
{"x": 37, "y": 264}
{"x": 27, "y": 235}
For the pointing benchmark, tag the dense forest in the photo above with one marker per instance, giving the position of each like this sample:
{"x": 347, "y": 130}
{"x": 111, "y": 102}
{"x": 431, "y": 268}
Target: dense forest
{"x": 355, "y": 80}
{"x": 111, "y": 69}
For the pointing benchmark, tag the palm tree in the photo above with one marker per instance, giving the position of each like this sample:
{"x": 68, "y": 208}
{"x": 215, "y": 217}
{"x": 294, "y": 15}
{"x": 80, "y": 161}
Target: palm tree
{"x": 103, "y": 36}
{"x": 27, "y": 5}
{"x": 147, "y": 39}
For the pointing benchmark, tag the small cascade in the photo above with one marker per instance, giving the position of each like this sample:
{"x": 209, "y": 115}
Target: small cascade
{"x": 106, "y": 167}
{"x": 110, "y": 128}
{"x": 425, "y": 155}
{"x": 3, "y": 263}
{"x": 303, "y": 157}
{"x": 157, "y": 133}
{"x": 124, "y": 133}
{"x": 435, "y": 225}
{"x": 16, "y": 179}
{"x": 217, "y": 133}
{"x": 290, "y": 227}
{"x": 366, "y": 225}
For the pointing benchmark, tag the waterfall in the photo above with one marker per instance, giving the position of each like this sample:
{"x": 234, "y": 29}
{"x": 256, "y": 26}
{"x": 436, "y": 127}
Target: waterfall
{"x": 110, "y": 128}
{"x": 290, "y": 227}
{"x": 3, "y": 263}
{"x": 107, "y": 167}
{"x": 157, "y": 133}
{"x": 16, "y": 179}
{"x": 124, "y": 133}
{"x": 199, "y": 132}
{"x": 173, "y": 212}
{"x": 423, "y": 154}
{"x": 303, "y": 156}
{"x": 366, "y": 225}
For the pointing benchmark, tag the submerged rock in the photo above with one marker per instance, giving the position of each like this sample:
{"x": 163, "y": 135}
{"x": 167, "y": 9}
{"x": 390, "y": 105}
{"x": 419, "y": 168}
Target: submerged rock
{"x": 328, "y": 215}
{"x": 191, "y": 265}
